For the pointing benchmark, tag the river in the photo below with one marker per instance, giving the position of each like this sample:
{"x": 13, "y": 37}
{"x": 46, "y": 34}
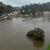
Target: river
{"x": 13, "y": 34}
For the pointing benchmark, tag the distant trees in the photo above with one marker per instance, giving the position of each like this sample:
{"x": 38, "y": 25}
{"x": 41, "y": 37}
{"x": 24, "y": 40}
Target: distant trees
{"x": 9, "y": 9}
{"x": 33, "y": 8}
{"x": 25, "y": 9}
{"x": 5, "y": 8}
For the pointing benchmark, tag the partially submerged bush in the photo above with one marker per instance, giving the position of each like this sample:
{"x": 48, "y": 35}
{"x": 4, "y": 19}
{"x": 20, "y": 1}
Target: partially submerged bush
{"x": 36, "y": 34}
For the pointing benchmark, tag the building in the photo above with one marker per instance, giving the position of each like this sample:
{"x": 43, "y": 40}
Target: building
{"x": 13, "y": 13}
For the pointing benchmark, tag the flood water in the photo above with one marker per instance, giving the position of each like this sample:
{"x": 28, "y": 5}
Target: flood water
{"x": 13, "y": 34}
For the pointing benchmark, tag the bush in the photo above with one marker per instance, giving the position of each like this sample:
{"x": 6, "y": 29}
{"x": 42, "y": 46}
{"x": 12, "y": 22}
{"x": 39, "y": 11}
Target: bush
{"x": 36, "y": 34}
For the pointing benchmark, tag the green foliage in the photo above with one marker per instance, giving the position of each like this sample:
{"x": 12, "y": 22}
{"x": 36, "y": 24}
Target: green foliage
{"x": 5, "y": 8}
{"x": 33, "y": 8}
{"x": 37, "y": 34}
{"x": 48, "y": 48}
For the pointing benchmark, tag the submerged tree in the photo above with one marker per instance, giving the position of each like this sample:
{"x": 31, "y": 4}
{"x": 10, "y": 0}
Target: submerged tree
{"x": 36, "y": 34}
{"x": 37, "y": 37}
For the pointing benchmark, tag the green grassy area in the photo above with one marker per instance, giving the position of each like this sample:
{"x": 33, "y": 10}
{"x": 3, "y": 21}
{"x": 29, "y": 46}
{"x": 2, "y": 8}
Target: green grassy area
{"x": 48, "y": 48}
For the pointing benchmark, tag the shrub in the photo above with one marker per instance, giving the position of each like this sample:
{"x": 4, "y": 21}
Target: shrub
{"x": 36, "y": 34}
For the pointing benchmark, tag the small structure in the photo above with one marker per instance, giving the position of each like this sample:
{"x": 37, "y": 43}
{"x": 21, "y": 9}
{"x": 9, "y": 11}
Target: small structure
{"x": 13, "y": 13}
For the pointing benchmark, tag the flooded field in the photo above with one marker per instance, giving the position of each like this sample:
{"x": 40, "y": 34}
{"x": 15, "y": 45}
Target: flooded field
{"x": 13, "y": 34}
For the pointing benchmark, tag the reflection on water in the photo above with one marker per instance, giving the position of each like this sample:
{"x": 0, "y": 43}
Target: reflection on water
{"x": 37, "y": 44}
{"x": 5, "y": 18}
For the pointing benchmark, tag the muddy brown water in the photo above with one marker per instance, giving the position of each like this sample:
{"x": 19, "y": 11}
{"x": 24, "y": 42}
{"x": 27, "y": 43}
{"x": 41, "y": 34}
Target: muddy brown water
{"x": 13, "y": 34}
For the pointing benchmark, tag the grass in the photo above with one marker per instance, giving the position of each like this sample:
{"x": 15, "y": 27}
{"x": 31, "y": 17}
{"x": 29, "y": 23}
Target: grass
{"x": 48, "y": 48}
